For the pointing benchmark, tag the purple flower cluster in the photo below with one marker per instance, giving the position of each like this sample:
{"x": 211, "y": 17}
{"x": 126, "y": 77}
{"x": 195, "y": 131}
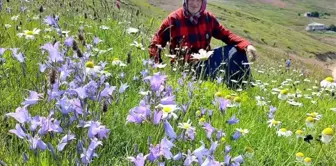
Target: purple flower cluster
{"x": 73, "y": 91}
{"x": 159, "y": 108}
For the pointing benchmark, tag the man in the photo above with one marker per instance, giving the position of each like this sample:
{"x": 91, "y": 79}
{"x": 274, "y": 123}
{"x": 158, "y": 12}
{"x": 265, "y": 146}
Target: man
{"x": 288, "y": 63}
{"x": 191, "y": 28}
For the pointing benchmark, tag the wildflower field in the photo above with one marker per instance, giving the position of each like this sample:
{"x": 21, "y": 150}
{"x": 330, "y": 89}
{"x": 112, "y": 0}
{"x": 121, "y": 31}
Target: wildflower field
{"x": 78, "y": 88}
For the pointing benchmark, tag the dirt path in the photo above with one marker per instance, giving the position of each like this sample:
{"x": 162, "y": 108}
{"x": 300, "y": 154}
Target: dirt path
{"x": 328, "y": 67}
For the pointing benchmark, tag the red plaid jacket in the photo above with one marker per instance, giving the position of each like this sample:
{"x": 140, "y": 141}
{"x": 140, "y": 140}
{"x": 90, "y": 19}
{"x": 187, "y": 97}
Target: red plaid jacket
{"x": 180, "y": 32}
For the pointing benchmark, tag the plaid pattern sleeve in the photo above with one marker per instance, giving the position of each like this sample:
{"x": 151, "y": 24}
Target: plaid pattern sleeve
{"x": 221, "y": 33}
{"x": 161, "y": 37}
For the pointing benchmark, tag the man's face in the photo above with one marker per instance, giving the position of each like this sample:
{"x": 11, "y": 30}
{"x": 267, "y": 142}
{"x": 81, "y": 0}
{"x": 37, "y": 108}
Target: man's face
{"x": 194, "y": 6}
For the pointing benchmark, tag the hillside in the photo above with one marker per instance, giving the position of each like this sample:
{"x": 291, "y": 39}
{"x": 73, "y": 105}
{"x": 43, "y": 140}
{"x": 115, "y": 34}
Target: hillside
{"x": 274, "y": 26}
{"x": 78, "y": 88}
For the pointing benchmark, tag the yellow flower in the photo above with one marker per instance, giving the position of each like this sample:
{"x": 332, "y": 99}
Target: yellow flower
{"x": 310, "y": 119}
{"x": 283, "y": 129}
{"x": 116, "y": 59}
{"x": 314, "y": 114}
{"x": 283, "y": 95}
{"x": 228, "y": 97}
{"x": 329, "y": 79}
{"x": 249, "y": 150}
{"x": 284, "y": 92}
{"x": 327, "y": 135}
{"x": 299, "y": 132}
{"x": 185, "y": 125}
{"x": 30, "y": 32}
{"x": 202, "y": 120}
{"x": 328, "y": 131}
{"x": 299, "y": 154}
{"x": 219, "y": 94}
{"x": 273, "y": 122}
{"x": 307, "y": 161}
{"x": 237, "y": 99}
{"x": 310, "y": 122}
{"x": 167, "y": 109}
{"x": 243, "y": 131}
{"x": 223, "y": 139}
{"x": 89, "y": 64}
{"x": 198, "y": 113}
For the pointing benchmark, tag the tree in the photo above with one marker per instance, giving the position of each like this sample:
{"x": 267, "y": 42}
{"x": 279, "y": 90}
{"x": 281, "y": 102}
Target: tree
{"x": 315, "y": 14}
{"x": 332, "y": 27}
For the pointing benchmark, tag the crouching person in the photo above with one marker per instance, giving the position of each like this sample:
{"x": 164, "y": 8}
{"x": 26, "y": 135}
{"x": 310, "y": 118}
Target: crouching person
{"x": 190, "y": 28}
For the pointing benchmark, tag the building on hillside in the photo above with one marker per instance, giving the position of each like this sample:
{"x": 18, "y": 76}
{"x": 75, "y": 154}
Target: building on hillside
{"x": 307, "y": 14}
{"x": 315, "y": 27}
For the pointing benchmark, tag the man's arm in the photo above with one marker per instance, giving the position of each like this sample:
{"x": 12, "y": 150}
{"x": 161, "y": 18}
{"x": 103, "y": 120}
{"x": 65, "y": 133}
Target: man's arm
{"x": 221, "y": 33}
{"x": 161, "y": 37}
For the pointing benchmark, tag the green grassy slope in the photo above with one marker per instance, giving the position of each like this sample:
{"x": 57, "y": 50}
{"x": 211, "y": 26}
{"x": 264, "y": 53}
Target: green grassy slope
{"x": 130, "y": 139}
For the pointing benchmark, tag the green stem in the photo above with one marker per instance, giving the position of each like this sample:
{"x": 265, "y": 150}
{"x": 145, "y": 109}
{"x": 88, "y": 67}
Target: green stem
{"x": 294, "y": 151}
{"x": 319, "y": 154}
{"x": 202, "y": 71}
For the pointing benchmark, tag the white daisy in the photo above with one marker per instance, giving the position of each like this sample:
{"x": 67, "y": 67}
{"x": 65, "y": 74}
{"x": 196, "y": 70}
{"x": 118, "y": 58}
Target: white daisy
{"x": 91, "y": 69}
{"x": 15, "y": 18}
{"x": 29, "y": 34}
{"x": 306, "y": 80}
{"x": 284, "y": 132}
{"x": 294, "y": 103}
{"x": 186, "y": 125}
{"x": 47, "y": 30}
{"x": 160, "y": 66}
{"x": 131, "y": 30}
{"x": 283, "y": 95}
{"x": 273, "y": 123}
{"x": 310, "y": 122}
{"x": 299, "y": 134}
{"x": 117, "y": 61}
{"x": 327, "y": 135}
{"x": 243, "y": 131}
{"x": 104, "y": 27}
{"x": 328, "y": 83}
{"x": 307, "y": 161}
{"x": 202, "y": 55}
{"x": 36, "y": 17}
{"x": 299, "y": 157}
{"x": 106, "y": 73}
{"x": 137, "y": 45}
{"x": 8, "y": 26}
{"x": 168, "y": 111}
{"x": 144, "y": 93}
{"x": 315, "y": 115}
{"x": 261, "y": 71}
{"x": 170, "y": 56}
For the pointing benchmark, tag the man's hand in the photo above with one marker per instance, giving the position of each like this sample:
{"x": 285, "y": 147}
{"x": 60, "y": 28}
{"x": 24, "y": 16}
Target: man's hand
{"x": 251, "y": 52}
